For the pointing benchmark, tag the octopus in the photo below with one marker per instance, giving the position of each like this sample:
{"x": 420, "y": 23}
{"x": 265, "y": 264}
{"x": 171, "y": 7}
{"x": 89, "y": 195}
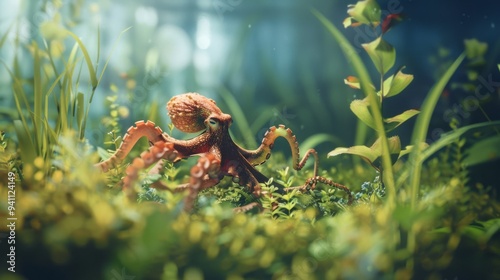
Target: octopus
{"x": 219, "y": 155}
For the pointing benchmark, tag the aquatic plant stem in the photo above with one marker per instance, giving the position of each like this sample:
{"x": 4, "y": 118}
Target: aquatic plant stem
{"x": 422, "y": 126}
{"x": 418, "y": 136}
{"x": 365, "y": 83}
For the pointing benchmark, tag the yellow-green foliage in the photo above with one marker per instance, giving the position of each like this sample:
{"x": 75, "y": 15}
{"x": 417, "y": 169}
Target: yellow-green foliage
{"x": 71, "y": 224}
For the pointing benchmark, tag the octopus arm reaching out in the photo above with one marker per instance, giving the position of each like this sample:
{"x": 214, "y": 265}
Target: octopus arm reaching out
{"x": 263, "y": 152}
{"x": 141, "y": 129}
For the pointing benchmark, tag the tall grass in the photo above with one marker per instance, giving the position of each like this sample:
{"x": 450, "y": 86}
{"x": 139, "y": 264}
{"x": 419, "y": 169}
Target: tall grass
{"x": 51, "y": 103}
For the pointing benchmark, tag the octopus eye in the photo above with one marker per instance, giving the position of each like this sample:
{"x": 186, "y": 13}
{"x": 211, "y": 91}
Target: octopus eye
{"x": 213, "y": 123}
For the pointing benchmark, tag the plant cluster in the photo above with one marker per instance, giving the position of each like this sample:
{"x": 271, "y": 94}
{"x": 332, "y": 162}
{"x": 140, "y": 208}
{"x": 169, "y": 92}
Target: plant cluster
{"x": 413, "y": 219}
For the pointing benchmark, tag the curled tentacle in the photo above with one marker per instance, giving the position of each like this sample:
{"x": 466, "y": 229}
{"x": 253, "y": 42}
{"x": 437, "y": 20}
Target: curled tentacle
{"x": 263, "y": 152}
{"x": 204, "y": 174}
{"x": 160, "y": 150}
{"x": 312, "y": 181}
{"x": 134, "y": 133}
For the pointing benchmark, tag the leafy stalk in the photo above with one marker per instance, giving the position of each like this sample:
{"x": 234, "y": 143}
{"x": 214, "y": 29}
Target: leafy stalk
{"x": 365, "y": 83}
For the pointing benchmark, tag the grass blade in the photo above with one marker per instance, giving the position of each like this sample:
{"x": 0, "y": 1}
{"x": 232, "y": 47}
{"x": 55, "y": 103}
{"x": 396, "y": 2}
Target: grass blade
{"x": 19, "y": 96}
{"x": 445, "y": 140}
{"x": 418, "y": 136}
{"x": 109, "y": 56}
{"x": 4, "y": 37}
{"x": 38, "y": 92}
{"x": 450, "y": 137}
{"x": 316, "y": 139}
{"x": 80, "y": 112}
{"x": 238, "y": 117}
{"x": 88, "y": 61}
{"x": 422, "y": 126}
{"x": 26, "y": 146}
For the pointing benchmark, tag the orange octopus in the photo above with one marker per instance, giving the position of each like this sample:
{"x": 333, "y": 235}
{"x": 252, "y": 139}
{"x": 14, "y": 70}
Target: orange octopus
{"x": 219, "y": 155}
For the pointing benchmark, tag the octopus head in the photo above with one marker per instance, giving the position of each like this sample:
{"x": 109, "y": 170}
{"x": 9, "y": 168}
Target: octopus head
{"x": 192, "y": 112}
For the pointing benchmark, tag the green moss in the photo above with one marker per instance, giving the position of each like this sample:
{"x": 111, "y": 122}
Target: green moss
{"x": 75, "y": 223}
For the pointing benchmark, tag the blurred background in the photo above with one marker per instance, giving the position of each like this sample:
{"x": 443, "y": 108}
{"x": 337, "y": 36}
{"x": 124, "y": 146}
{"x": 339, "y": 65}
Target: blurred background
{"x": 271, "y": 61}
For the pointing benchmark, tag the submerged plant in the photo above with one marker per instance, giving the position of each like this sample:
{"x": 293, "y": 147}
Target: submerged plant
{"x": 385, "y": 151}
{"x": 70, "y": 224}
{"x": 369, "y": 112}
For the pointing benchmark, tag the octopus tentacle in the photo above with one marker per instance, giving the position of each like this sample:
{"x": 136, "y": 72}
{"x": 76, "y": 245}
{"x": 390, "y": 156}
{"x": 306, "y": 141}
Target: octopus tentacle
{"x": 244, "y": 174}
{"x": 160, "y": 150}
{"x": 313, "y": 180}
{"x": 134, "y": 133}
{"x": 204, "y": 174}
{"x": 263, "y": 152}
{"x": 248, "y": 207}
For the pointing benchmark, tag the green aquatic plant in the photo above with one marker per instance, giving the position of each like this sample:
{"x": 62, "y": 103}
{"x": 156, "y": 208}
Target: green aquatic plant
{"x": 71, "y": 225}
{"x": 369, "y": 110}
{"x": 54, "y": 87}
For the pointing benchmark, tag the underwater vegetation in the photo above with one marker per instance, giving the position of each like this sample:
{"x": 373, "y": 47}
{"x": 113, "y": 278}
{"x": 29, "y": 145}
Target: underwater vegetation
{"x": 377, "y": 209}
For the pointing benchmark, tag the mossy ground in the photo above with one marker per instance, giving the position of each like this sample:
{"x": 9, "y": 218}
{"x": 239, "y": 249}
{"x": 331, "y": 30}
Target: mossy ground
{"x": 73, "y": 225}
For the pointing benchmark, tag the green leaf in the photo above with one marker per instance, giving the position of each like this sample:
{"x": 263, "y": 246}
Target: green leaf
{"x": 88, "y": 61}
{"x": 352, "y": 82}
{"x": 398, "y": 83}
{"x": 450, "y": 137}
{"x": 394, "y": 145}
{"x": 360, "y": 108}
{"x": 4, "y": 36}
{"x": 483, "y": 151}
{"x": 26, "y": 146}
{"x": 372, "y": 154}
{"x": 80, "y": 111}
{"x": 475, "y": 49}
{"x": 362, "y": 151}
{"x": 422, "y": 126}
{"x": 382, "y": 54}
{"x": 386, "y": 86}
{"x": 392, "y": 123}
{"x": 394, "y": 149}
{"x": 349, "y": 21}
{"x": 365, "y": 12}
{"x": 492, "y": 226}
{"x": 409, "y": 148}
{"x": 38, "y": 100}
